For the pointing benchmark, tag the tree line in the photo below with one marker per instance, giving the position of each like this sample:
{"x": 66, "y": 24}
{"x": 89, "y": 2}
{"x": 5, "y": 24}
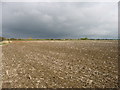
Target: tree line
{"x": 3, "y": 38}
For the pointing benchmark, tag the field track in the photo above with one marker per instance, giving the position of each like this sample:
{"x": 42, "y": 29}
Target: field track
{"x": 60, "y": 64}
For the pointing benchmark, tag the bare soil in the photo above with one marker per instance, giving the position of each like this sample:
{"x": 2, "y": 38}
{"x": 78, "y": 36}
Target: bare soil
{"x": 60, "y": 64}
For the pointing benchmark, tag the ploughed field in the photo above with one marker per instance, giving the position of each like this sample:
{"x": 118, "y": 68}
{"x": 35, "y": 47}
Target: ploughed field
{"x": 60, "y": 64}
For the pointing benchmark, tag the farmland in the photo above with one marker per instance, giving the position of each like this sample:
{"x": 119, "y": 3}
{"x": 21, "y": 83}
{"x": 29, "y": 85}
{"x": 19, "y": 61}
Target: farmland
{"x": 60, "y": 64}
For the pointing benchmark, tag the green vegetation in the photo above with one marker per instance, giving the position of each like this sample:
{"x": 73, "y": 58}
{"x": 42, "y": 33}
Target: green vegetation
{"x": 84, "y": 38}
{"x": 2, "y": 43}
{"x": 31, "y": 39}
{"x": 2, "y": 38}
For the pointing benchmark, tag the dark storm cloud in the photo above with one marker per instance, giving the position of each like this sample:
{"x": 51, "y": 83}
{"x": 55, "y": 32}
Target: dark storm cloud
{"x": 60, "y": 20}
{"x": 0, "y": 19}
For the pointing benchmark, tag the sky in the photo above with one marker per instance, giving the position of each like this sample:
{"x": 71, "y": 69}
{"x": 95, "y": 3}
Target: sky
{"x": 60, "y": 20}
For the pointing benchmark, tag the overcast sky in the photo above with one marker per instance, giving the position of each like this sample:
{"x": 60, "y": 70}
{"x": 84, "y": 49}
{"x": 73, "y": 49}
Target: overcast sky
{"x": 60, "y": 20}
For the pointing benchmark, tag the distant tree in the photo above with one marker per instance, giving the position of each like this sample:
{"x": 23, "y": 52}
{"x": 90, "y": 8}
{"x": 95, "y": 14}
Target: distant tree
{"x": 84, "y": 38}
{"x": 2, "y": 38}
{"x": 12, "y": 39}
{"x": 19, "y": 39}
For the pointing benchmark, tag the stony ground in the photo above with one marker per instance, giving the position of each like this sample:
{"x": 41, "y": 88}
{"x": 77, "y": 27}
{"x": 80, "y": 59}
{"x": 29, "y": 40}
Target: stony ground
{"x": 60, "y": 64}
{"x": 0, "y": 66}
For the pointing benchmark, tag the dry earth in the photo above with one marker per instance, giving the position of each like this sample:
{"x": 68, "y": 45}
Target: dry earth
{"x": 0, "y": 66}
{"x": 60, "y": 64}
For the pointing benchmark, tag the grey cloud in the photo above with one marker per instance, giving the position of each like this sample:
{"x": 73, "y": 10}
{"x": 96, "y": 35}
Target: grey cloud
{"x": 60, "y": 20}
{"x": 0, "y": 19}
